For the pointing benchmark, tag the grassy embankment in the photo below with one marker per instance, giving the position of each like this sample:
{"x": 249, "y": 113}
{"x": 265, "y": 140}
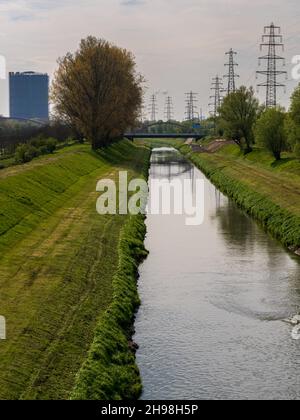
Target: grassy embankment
{"x": 61, "y": 276}
{"x": 267, "y": 190}
{"x": 153, "y": 143}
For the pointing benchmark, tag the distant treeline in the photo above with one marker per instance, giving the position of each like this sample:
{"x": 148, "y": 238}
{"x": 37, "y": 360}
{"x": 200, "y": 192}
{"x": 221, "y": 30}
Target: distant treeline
{"x": 14, "y": 133}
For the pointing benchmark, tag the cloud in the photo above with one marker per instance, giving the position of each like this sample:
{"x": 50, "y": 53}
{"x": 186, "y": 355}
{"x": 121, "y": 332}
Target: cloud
{"x": 132, "y": 2}
{"x": 179, "y": 44}
{"x": 30, "y": 9}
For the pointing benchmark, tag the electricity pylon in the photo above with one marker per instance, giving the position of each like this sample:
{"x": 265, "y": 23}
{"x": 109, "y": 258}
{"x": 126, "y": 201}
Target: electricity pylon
{"x": 217, "y": 87}
{"x": 191, "y": 107}
{"x": 142, "y": 113}
{"x": 231, "y": 76}
{"x": 271, "y": 39}
{"x": 153, "y": 108}
{"x": 169, "y": 109}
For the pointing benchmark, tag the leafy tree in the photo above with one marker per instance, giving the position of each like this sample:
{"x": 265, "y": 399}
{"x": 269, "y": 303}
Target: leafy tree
{"x": 295, "y": 106}
{"x": 270, "y": 131}
{"x": 237, "y": 116}
{"x": 297, "y": 149}
{"x": 98, "y": 91}
{"x": 292, "y": 131}
{"x": 292, "y": 124}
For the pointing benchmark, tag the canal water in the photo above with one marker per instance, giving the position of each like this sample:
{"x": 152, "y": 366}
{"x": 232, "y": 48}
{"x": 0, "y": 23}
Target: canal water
{"x": 214, "y": 298}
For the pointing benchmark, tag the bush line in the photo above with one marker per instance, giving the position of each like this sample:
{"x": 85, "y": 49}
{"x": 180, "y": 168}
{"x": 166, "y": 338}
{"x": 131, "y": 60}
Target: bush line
{"x": 281, "y": 223}
{"x": 110, "y": 371}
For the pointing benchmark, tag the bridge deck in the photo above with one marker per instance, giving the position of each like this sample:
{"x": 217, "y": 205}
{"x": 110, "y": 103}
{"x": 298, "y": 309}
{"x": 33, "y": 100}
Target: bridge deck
{"x": 132, "y": 136}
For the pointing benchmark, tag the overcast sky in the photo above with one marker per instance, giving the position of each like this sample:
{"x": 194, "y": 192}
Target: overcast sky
{"x": 179, "y": 44}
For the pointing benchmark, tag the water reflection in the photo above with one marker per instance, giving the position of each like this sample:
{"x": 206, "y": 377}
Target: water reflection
{"x": 213, "y": 299}
{"x": 165, "y": 164}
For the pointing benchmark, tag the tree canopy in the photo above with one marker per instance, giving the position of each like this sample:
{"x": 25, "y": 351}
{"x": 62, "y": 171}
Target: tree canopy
{"x": 270, "y": 131}
{"x": 98, "y": 91}
{"x": 292, "y": 124}
{"x": 237, "y": 116}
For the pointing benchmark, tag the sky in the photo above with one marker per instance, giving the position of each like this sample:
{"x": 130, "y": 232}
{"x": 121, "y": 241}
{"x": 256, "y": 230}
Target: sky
{"x": 179, "y": 45}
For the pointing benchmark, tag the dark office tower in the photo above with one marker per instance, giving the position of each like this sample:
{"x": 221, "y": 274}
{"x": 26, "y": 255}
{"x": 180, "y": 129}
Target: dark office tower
{"x": 29, "y": 95}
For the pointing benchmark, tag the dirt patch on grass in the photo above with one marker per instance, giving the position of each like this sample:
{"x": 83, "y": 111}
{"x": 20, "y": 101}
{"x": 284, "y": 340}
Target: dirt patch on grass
{"x": 216, "y": 145}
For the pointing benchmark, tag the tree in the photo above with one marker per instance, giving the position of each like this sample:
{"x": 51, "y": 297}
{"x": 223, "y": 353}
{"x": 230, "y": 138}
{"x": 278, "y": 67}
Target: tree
{"x": 237, "y": 116}
{"x": 270, "y": 131}
{"x": 295, "y": 105}
{"x": 292, "y": 124}
{"x": 98, "y": 91}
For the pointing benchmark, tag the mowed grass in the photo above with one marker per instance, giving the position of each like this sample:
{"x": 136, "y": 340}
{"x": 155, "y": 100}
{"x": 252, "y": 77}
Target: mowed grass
{"x": 57, "y": 261}
{"x": 153, "y": 143}
{"x": 279, "y": 181}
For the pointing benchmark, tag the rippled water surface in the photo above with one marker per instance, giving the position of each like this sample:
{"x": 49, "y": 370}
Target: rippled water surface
{"x": 213, "y": 300}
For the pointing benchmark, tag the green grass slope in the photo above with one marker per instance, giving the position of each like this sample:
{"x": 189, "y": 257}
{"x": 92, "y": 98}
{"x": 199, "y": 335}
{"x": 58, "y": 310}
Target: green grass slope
{"x": 267, "y": 190}
{"x": 58, "y": 259}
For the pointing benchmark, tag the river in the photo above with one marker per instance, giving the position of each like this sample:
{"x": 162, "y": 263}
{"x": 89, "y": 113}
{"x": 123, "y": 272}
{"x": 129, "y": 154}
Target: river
{"x": 214, "y": 297}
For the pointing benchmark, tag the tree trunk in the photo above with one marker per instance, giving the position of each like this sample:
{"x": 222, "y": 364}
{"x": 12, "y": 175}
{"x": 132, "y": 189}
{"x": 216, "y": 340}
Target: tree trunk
{"x": 277, "y": 155}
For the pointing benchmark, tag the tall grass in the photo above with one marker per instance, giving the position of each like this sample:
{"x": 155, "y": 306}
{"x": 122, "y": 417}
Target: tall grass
{"x": 110, "y": 371}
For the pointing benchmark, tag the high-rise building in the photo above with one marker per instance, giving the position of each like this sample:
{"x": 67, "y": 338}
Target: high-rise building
{"x": 29, "y": 95}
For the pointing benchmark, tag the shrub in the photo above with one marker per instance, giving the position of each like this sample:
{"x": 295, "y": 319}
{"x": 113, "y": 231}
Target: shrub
{"x": 50, "y": 145}
{"x": 44, "y": 145}
{"x": 36, "y": 146}
{"x": 25, "y": 153}
{"x": 297, "y": 150}
{"x": 37, "y": 141}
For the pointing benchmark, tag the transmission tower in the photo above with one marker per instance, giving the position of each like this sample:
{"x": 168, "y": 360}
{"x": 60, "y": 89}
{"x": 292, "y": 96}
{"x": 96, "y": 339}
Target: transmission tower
{"x": 169, "y": 109}
{"x": 153, "y": 108}
{"x": 217, "y": 87}
{"x": 231, "y": 76}
{"x": 142, "y": 113}
{"x": 271, "y": 40}
{"x": 191, "y": 107}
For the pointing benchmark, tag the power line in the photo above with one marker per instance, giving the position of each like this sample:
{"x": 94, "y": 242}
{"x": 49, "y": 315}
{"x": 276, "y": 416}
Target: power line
{"x": 217, "y": 87}
{"x": 271, "y": 40}
{"x": 231, "y": 76}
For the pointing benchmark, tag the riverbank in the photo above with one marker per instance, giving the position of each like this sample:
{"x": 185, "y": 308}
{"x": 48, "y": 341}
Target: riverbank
{"x": 213, "y": 300}
{"x": 268, "y": 191}
{"x": 61, "y": 268}
{"x": 110, "y": 371}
